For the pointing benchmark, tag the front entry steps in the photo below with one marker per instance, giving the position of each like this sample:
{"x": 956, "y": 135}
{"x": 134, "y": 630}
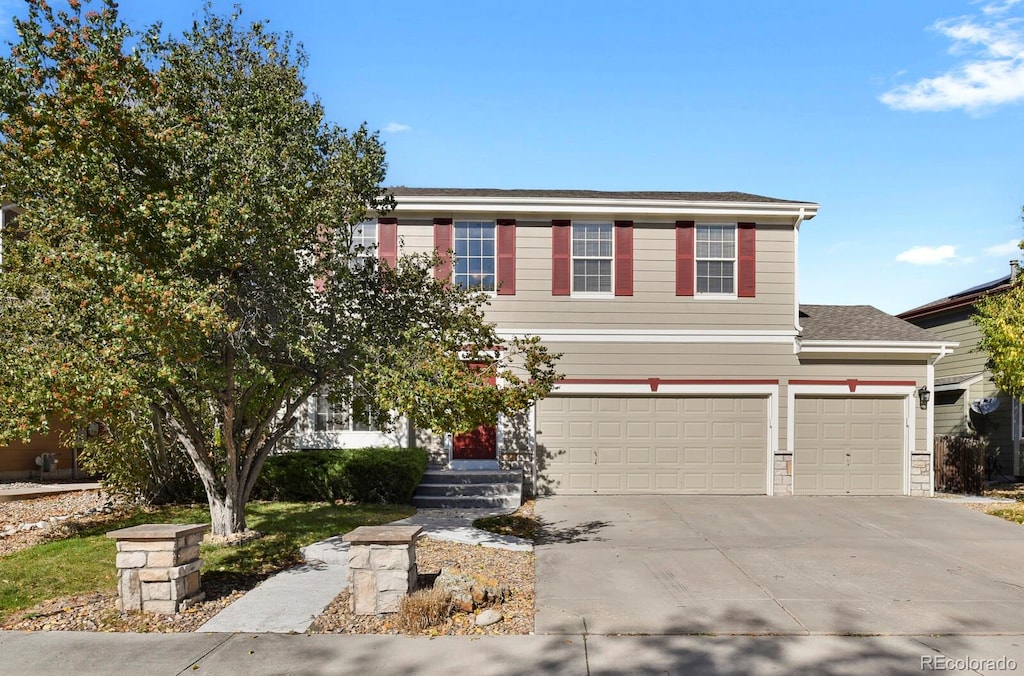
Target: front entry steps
{"x": 469, "y": 489}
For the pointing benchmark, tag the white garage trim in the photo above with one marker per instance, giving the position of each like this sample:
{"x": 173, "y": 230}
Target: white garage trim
{"x": 909, "y": 393}
{"x": 676, "y": 390}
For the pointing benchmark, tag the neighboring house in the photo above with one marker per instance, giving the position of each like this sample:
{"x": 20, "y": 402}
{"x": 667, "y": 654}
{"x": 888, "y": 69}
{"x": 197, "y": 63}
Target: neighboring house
{"x": 18, "y": 460}
{"x": 689, "y": 366}
{"x": 964, "y": 378}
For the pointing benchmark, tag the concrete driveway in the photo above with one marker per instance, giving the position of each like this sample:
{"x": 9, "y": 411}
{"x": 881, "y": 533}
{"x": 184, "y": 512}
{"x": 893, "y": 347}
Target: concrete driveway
{"x": 762, "y": 565}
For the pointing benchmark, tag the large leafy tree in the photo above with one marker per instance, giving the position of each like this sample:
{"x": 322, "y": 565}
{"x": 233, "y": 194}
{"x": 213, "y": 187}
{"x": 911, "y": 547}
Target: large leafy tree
{"x": 182, "y": 271}
{"x": 1000, "y": 318}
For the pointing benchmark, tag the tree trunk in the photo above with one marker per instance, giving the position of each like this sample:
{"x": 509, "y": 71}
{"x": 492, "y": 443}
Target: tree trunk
{"x": 227, "y": 513}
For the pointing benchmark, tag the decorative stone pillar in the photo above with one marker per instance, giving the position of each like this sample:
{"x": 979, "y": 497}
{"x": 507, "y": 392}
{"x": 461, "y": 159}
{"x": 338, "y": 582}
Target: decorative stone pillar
{"x": 381, "y": 567}
{"x": 783, "y": 473}
{"x": 158, "y": 567}
{"x": 920, "y": 475}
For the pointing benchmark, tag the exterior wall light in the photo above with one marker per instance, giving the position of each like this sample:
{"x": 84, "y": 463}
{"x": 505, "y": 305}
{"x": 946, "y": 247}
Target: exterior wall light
{"x": 924, "y": 396}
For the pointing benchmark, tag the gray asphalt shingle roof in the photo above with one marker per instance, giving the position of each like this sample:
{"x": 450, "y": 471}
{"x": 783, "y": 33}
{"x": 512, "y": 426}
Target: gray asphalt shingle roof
{"x": 400, "y": 191}
{"x": 956, "y": 380}
{"x": 858, "y": 322}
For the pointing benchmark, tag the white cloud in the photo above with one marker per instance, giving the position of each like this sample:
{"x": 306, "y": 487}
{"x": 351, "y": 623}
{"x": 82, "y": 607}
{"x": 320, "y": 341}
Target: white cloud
{"x": 928, "y": 255}
{"x": 1010, "y": 248}
{"x": 995, "y": 8}
{"x": 991, "y": 71}
{"x": 395, "y": 127}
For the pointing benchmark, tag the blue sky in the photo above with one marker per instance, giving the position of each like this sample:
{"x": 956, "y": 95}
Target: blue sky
{"x": 903, "y": 119}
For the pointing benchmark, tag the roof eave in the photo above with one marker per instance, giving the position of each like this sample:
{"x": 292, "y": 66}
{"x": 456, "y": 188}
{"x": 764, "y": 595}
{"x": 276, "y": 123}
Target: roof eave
{"x": 597, "y": 206}
{"x": 951, "y": 304}
{"x": 962, "y": 385}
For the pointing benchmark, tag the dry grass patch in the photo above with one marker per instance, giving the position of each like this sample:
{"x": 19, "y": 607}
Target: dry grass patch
{"x": 423, "y": 609}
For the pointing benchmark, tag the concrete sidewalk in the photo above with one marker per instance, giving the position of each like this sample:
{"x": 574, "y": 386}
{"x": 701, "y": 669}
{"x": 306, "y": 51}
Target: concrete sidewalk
{"x": 88, "y": 654}
{"x": 25, "y": 491}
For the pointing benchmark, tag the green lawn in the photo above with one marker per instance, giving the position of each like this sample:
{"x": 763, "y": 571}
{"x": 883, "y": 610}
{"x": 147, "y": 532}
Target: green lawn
{"x": 85, "y": 562}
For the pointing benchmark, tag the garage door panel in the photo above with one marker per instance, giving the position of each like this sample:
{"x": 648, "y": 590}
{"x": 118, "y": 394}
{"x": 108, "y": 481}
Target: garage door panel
{"x": 849, "y": 446}
{"x": 638, "y": 482}
{"x": 638, "y": 456}
{"x": 653, "y": 444}
{"x": 695, "y": 431}
{"x": 666, "y": 430}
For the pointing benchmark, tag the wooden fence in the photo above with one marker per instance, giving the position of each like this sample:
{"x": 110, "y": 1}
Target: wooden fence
{"x": 959, "y": 465}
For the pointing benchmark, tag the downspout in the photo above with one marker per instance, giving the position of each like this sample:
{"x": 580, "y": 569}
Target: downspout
{"x": 930, "y": 420}
{"x": 1015, "y": 413}
{"x": 796, "y": 282}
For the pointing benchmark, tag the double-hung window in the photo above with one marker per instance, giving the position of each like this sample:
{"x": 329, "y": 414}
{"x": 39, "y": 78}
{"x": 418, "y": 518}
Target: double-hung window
{"x": 354, "y": 416}
{"x": 474, "y": 255}
{"x": 364, "y": 238}
{"x": 716, "y": 259}
{"x": 592, "y": 258}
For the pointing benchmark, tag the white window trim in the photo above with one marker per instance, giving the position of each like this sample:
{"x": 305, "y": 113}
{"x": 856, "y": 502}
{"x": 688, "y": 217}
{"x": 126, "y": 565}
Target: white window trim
{"x": 713, "y": 296}
{"x": 350, "y": 418}
{"x": 494, "y": 225}
{"x": 590, "y": 295}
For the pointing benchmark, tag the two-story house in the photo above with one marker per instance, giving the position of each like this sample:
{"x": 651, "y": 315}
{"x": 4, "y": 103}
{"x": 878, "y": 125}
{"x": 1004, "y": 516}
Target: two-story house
{"x": 689, "y": 365}
{"x": 963, "y": 383}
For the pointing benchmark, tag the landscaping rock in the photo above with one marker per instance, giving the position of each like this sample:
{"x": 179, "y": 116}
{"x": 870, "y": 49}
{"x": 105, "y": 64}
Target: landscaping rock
{"x": 488, "y": 617}
{"x": 471, "y": 590}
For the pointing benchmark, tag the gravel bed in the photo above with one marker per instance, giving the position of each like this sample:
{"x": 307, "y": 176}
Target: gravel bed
{"x": 513, "y": 569}
{"x": 60, "y": 513}
{"x": 97, "y": 611}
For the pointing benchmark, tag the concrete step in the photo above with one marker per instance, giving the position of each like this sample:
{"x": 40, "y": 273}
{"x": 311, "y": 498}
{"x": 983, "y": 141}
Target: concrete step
{"x": 469, "y": 490}
{"x": 475, "y": 476}
{"x": 467, "y": 502}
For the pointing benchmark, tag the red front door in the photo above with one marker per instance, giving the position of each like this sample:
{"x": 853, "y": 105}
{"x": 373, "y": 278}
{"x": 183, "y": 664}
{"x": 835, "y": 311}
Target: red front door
{"x": 480, "y": 444}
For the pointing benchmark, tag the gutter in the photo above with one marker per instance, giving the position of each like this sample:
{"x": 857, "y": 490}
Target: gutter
{"x": 878, "y": 346}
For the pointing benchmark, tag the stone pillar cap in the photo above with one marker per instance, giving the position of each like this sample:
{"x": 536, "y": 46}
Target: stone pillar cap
{"x": 382, "y": 535}
{"x": 158, "y": 531}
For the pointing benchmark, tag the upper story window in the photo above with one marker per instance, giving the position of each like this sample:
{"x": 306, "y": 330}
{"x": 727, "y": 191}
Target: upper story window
{"x": 474, "y": 255}
{"x": 592, "y": 257}
{"x": 716, "y": 259}
{"x": 364, "y": 237}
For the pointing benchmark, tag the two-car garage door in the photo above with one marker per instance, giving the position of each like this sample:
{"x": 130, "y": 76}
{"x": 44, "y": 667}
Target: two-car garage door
{"x": 842, "y": 445}
{"x": 661, "y": 444}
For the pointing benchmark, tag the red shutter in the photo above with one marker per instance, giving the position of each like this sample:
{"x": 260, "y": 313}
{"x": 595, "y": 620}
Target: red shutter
{"x": 623, "y": 258}
{"x": 684, "y": 258}
{"x": 506, "y": 242}
{"x": 561, "y": 258}
{"x": 443, "y": 245}
{"x": 387, "y": 240}
{"x": 746, "y": 250}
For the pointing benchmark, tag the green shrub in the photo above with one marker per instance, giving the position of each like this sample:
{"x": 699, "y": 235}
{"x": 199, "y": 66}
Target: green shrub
{"x": 366, "y": 475}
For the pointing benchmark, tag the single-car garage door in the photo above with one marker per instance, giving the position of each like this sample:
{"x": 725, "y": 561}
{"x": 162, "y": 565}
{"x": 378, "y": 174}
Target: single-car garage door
{"x": 662, "y": 444}
{"x": 849, "y": 446}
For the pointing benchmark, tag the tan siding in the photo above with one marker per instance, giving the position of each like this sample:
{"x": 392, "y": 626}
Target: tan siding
{"x": 653, "y": 304}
